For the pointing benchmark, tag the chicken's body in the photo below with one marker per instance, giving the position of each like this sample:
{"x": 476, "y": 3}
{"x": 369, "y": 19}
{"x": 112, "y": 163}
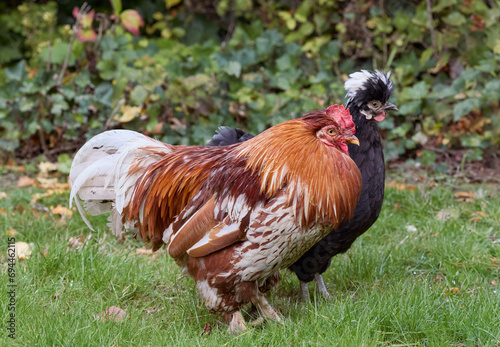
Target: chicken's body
{"x": 363, "y": 88}
{"x": 231, "y": 216}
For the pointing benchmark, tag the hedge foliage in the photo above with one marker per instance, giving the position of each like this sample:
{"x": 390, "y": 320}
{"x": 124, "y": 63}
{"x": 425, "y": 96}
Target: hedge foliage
{"x": 197, "y": 65}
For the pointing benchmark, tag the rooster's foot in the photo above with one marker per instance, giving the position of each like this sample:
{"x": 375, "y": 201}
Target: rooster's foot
{"x": 258, "y": 321}
{"x": 265, "y": 309}
{"x": 321, "y": 286}
{"x": 237, "y": 324}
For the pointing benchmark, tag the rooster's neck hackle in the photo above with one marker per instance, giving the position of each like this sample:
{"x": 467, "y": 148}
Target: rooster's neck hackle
{"x": 290, "y": 155}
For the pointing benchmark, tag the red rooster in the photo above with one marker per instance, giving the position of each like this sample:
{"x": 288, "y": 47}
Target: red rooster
{"x": 232, "y": 216}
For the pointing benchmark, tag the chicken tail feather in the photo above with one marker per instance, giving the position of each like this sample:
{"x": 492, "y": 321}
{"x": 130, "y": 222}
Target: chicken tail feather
{"x": 105, "y": 170}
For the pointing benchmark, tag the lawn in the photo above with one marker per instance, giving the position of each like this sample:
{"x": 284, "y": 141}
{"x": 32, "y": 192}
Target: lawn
{"x": 426, "y": 274}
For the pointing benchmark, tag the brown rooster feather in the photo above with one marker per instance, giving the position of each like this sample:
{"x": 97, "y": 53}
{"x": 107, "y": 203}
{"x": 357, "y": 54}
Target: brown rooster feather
{"x": 233, "y": 216}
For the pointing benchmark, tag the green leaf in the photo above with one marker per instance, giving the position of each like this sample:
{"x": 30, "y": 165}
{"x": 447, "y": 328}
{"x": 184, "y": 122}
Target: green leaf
{"x": 454, "y": 19}
{"x": 416, "y": 92}
{"x": 426, "y": 55}
{"x": 15, "y": 73}
{"x": 195, "y": 81}
{"x": 290, "y": 22}
{"x": 233, "y": 68}
{"x": 464, "y": 107}
{"x": 58, "y": 53}
{"x": 107, "y": 69}
{"x": 64, "y": 163}
{"x": 401, "y": 21}
{"x": 410, "y": 107}
{"x": 58, "y": 104}
{"x": 26, "y": 104}
{"x": 138, "y": 95}
{"x": 306, "y": 29}
{"x": 172, "y": 3}
{"x": 117, "y": 6}
{"x": 103, "y": 93}
{"x": 284, "y": 62}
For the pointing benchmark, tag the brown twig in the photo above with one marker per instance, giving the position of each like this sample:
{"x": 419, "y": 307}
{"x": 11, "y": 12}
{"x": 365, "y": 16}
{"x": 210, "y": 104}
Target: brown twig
{"x": 102, "y": 19}
{"x": 113, "y": 113}
{"x": 230, "y": 31}
{"x": 431, "y": 28}
{"x": 384, "y": 36}
{"x": 83, "y": 11}
{"x": 48, "y": 61}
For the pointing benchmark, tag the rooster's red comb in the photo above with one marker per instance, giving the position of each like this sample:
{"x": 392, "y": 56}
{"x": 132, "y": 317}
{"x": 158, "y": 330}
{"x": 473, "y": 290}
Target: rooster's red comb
{"x": 341, "y": 116}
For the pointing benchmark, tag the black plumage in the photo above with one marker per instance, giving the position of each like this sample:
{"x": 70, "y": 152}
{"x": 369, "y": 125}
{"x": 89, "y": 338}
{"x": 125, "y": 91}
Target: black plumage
{"x": 367, "y": 99}
{"x": 227, "y": 136}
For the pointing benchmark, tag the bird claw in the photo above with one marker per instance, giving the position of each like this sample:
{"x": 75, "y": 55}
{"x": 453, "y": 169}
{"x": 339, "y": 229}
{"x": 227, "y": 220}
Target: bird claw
{"x": 237, "y": 324}
{"x": 265, "y": 309}
{"x": 258, "y": 321}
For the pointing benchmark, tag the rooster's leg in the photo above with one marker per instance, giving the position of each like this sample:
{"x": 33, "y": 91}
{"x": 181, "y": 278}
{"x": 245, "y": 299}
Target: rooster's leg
{"x": 321, "y": 286}
{"x": 237, "y": 323}
{"x": 265, "y": 308}
{"x": 304, "y": 292}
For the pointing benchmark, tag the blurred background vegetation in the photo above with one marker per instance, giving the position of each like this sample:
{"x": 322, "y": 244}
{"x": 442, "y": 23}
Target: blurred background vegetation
{"x": 178, "y": 69}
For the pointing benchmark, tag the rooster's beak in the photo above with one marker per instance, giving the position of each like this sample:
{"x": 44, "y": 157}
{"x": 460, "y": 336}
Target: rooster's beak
{"x": 389, "y": 106}
{"x": 352, "y": 139}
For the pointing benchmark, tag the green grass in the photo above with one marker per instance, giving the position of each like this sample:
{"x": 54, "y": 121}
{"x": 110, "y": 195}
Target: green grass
{"x": 411, "y": 280}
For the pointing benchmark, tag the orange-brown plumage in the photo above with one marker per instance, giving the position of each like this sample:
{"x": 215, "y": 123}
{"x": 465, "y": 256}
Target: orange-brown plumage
{"x": 242, "y": 212}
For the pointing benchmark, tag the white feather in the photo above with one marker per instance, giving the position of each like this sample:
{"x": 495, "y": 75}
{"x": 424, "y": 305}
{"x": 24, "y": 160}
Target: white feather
{"x": 101, "y": 172}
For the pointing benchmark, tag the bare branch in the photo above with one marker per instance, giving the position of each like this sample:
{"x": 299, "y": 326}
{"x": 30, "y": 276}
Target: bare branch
{"x": 431, "y": 28}
{"x": 83, "y": 11}
{"x": 107, "y": 125}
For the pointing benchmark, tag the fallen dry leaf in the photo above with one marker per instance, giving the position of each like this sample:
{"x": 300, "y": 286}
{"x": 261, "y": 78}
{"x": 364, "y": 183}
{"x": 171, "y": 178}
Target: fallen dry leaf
{"x": 3, "y": 211}
{"x": 207, "y": 330}
{"x": 401, "y": 186}
{"x": 20, "y": 208}
{"x": 114, "y": 312}
{"x": 447, "y": 213}
{"x": 78, "y": 242}
{"x": 26, "y": 181}
{"x": 11, "y": 166}
{"x": 3, "y": 195}
{"x": 11, "y": 232}
{"x": 47, "y": 194}
{"x": 63, "y": 211}
{"x": 46, "y": 168}
{"x": 465, "y": 196}
{"x": 158, "y": 129}
{"x": 52, "y": 183}
{"x": 143, "y": 251}
{"x": 23, "y": 250}
{"x": 128, "y": 113}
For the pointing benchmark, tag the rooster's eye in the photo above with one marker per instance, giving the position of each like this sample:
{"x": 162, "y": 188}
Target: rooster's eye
{"x": 375, "y": 104}
{"x": 331, "y": 132}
